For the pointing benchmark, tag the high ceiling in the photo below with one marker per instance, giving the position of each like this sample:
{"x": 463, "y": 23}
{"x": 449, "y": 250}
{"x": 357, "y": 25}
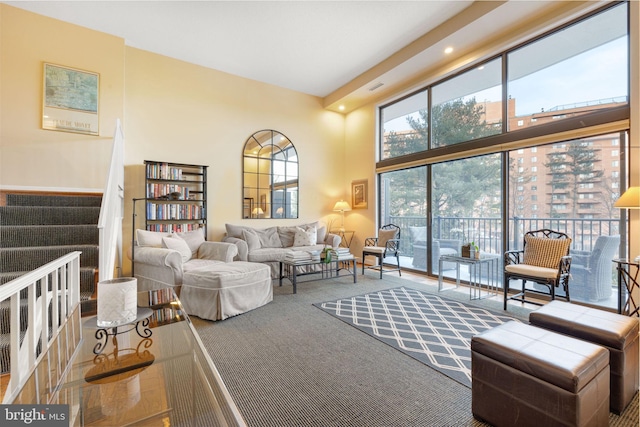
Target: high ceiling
{"x": 336, "y": 50}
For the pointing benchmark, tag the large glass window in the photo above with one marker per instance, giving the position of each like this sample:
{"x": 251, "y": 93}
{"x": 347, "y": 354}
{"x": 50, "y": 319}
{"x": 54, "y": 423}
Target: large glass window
{"x": 467, "y": 208}
{"x": 468, "y": 106}
{"x": 575, "y": 189}
{"x": 569, "y": 186}
{"x": 405, "y": 126}
{"x": 571, "y": 72}
{"x": 403, "y": 197}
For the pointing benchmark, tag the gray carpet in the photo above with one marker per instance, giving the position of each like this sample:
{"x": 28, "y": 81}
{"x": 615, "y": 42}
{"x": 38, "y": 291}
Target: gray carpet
{"x": 290, "y": 364}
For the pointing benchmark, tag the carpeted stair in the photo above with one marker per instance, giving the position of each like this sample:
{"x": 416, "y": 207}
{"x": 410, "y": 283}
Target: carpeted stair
{"x": 37, "y": 229}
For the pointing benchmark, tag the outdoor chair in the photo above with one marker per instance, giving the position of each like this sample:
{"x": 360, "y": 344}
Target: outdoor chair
{"x": 592, "y": 271}
{"x": 387, "y": 244}
{"x": 544, "y": 260}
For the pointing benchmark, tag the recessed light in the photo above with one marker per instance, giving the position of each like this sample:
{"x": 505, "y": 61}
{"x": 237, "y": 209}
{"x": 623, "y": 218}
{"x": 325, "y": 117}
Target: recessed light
{"x": 341, "y": 108}
{"x": 448, "y": 50}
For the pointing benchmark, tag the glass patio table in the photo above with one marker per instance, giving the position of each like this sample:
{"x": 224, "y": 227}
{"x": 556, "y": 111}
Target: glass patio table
{"x": 476, "y": 266}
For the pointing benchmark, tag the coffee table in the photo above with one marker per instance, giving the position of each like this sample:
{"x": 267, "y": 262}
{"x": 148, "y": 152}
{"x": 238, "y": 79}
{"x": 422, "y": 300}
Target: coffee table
{"x": 293, "y": 269}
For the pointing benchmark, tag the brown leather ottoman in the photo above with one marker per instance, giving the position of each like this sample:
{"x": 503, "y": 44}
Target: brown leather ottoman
{"x": 618, "y": 333}
{"x": 528, "y": 376}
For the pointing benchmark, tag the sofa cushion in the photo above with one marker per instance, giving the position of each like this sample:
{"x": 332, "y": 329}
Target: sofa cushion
{"x": 544, "y": 252}
{"x": 252, "y": 239}
{"x": 151, "y": 238}
{"x": 199, "y": 264}
{"x": 268, "y": 254}
{"x": 179, "y": 245}
{"x": 236, "y": 230}
{"x": 193, "y": 238}
{"x": 287, "y": 235}
{"x": 305, "y": 236}
{"x": 269, "y": 237}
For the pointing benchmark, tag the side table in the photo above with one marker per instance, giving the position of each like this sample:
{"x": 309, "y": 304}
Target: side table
{"x": 346, "y": 236}
{"x": 475, "y": 273}
{"x": 628, "y": 275}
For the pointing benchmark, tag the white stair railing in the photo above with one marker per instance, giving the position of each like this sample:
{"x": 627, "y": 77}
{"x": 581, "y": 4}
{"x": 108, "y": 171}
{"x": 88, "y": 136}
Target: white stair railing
{"x": 112, "y": 211}
{"x": 59, "y": 284}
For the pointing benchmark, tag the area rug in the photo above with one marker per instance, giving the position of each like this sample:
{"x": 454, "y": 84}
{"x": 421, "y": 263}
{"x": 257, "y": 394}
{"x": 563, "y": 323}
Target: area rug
{"x": 434, "y": 330}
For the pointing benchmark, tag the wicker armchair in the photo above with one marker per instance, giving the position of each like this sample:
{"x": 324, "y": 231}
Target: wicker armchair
{"x": 592, "y": 272}
{"x": 544, "y": 260}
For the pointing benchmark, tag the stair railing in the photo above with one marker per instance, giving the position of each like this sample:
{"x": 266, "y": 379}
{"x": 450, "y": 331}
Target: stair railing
{"x": 112, "y": 212}
{"x": 53, "y": 320}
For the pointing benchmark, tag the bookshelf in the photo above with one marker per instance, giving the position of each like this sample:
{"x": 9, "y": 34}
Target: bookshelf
{"x": 175, "y": 196}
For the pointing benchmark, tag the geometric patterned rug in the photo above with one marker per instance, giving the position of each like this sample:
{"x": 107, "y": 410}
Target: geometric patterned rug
{"x": 434, "y": 330}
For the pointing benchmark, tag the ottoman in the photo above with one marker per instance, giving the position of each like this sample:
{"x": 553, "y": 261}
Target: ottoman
{"x": 226, "y": 289}
{"x": 618, "y": 333}
{"x": 527, "y": 376}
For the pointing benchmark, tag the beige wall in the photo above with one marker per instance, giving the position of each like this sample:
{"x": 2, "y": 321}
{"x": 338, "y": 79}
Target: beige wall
{"x": 180, "y": 112}
{"x": 31, "y": 157}
{"x": 360, "y": 152}
{"x": 171, "y": 111}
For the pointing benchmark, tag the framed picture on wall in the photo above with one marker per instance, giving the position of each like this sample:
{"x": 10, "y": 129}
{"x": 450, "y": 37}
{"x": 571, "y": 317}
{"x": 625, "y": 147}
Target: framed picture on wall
{"x": 70, "y": 100}
{"x": 359, "y": 193}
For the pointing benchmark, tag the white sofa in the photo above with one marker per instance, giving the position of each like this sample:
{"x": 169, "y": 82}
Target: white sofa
{"x": 271, "y": 245}
{"x": 211, "y": 285}
{"x": 161, "y": 259}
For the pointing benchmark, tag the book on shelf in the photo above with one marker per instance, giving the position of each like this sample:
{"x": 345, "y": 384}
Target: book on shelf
{"x": 163, "y": 171}
{"x": 174, "y": 228}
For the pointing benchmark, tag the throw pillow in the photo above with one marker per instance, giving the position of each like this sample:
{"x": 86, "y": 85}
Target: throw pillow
{"x": 544, "y": 252}
{"x": 305, "y": 237}
{"x": 252, "y": 239}
{"x": 269, "y": 237}
{"x": 179, "y": 245}
{"x": 150, "y": 238}
{"x": 322, "y": 234}
{"x": 287, "y": 235}
{"x": 193, "y": 238}
{"x": 235, "y": 230}
{"x": 384, "y": 236}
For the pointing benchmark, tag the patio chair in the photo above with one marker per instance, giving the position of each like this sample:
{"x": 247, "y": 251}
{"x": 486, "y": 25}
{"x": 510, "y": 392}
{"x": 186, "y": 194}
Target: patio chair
{"x": 592, "y": 272}
{"x": 544, "y": 259}
{"x": 387, "y": 244}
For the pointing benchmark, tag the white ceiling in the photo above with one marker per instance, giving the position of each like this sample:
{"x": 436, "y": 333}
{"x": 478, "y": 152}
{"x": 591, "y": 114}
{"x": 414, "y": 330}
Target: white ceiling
{"x": 332, "y": 49}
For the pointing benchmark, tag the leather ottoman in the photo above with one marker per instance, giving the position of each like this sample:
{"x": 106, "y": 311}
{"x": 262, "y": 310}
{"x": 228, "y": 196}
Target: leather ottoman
{"x": 528, "y": 376}
{"x": 618, "y": 333}
{"x": 226, "y": 289}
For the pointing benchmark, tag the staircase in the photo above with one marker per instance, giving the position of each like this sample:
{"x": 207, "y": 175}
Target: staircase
{"x": 37, "y": 229}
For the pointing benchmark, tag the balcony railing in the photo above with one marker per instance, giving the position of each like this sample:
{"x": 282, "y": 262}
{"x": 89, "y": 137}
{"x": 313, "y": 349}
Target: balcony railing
{"x": 487, "y": 232}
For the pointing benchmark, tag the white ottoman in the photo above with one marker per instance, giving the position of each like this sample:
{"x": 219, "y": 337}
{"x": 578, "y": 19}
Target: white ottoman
{"x": 226, "y": 289}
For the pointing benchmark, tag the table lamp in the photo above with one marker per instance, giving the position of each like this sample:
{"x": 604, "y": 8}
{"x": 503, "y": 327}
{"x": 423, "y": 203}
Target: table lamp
{"x": 257, "y": 212}
{"x": 342, "y": 207}
{"x": 630, "y": 199}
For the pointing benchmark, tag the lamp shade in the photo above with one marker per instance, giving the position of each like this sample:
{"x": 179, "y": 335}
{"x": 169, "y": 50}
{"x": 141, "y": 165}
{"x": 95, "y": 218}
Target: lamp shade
{"x": 342, "y": 206}
{"x": 257, "y": 211}
{"x": 630, "y": 199}
{"x": 117, "y": 301}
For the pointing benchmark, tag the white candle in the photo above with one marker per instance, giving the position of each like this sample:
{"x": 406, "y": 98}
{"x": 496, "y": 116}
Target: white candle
{"x": 117, "y": 301}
